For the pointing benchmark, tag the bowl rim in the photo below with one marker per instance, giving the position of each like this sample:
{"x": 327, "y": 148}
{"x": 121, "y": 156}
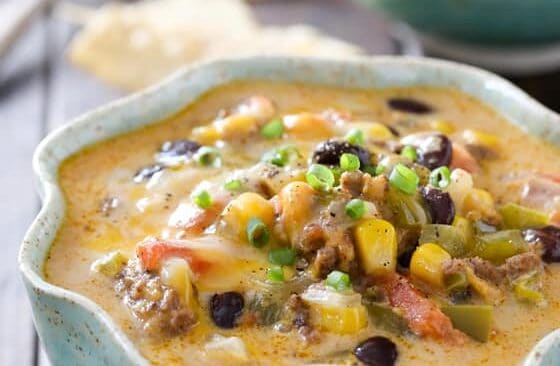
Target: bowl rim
{"x": 50, "y": 191}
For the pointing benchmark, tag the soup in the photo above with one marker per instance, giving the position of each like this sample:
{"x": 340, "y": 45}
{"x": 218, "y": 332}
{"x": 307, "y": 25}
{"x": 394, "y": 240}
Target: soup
{"x": 289, "y": 224}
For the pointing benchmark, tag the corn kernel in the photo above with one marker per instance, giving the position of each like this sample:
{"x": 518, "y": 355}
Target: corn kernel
{"x": 426, "y": 264}
{"x": 248, "y": 205}
{"x": 478, "y": 204}
{"x": 205, "y": 135}
{"x": 339, "y": 319}
{"x": 379, "y": 131}
{"x": 377, "y": 246}
{"x": 442, "y": 126}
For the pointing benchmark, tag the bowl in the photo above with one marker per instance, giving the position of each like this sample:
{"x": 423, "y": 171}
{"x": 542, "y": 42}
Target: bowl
{"x": 73, "y": 329}
{"x": 505, "y": 22}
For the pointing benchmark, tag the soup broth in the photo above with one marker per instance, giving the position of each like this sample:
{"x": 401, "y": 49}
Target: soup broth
{"x": 290, "y": 224}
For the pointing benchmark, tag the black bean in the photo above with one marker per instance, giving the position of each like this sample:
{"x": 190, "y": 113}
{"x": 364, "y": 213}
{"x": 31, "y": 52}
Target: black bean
{"x": 226, "y": 308}
{"x": 377, "y": 351}
{"x": 174, "y": 151}
{"x": 549, "y": 238}
{"x": 433, "y": 149}
{"x": 409, "y": 106}
{"x": 440, "y": 205}
{"x": 329, "y": 152}
{"x": 147, "y": 172}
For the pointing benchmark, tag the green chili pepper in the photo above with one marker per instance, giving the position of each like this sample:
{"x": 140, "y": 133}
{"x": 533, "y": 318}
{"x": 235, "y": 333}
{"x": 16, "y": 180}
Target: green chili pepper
{"x": 473, "y": 320}
{"x": 448, "y": 237}
{"x": 518, "y": 217}
{"x": 456, "y": 282}
{"x": 528, "y": 288}
{"x": 497, "y": 247}
{"x": 385, "y": 317}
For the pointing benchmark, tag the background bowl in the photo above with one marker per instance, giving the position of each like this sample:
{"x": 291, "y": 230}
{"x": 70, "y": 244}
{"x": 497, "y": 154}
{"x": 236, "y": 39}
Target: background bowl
{"x": 505, "y": 22}
{"x": 73, "y": 329}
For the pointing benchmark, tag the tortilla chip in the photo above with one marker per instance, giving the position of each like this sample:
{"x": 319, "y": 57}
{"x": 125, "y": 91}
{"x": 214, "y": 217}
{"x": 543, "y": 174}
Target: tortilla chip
{"x": 136, "y": 45}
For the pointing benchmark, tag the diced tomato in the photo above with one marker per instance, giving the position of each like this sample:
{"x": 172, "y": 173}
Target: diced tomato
{"x": 462, "y": 158}
{"x": 423, "y": 316}
{"x": 152, "y": 254}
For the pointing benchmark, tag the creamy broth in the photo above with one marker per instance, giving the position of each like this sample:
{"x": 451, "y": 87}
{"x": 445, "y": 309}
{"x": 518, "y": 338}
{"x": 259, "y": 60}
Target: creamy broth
{"x": 151, "y": 208}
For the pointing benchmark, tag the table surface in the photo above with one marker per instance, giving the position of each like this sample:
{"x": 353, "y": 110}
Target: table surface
{"x": 40, "y": 90}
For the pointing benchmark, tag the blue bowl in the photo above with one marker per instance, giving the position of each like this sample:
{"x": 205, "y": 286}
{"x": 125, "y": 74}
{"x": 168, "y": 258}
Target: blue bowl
{"x": 504, "y": 22}
{"x": 75, "y": 330}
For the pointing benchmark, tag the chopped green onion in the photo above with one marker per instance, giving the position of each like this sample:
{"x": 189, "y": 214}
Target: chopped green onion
{"x": 257, "y": 232}
{"x": 409, "y": 152}
{"x": 355, "y": 136}
{"x": 275, "y": 274}
{"x": 208, "y": 156}
{"x": 280, "y": 156}
{"x": 356, "y": 208}
{"x": 282, "y": 256}
{"x": 349, "y": 162}
{"x": 380, "y": 169}
{"x": 273, "y": 129}
{"x": 233, "y": 185}
{"x": 404, "y": 179}
{"x": 440, "y": 177}
{"x": 202, "y": 199}
{"x": 320, "y": 177}
{"x": 340, "y": 281}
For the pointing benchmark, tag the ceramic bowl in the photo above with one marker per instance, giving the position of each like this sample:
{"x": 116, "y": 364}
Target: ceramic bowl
{"x": 73, "y": 329}
{"x": 512, "y": 22}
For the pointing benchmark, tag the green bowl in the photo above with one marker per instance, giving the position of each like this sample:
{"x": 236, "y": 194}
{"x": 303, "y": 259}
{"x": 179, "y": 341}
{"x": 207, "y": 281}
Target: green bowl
{"x": 504, "y": 22}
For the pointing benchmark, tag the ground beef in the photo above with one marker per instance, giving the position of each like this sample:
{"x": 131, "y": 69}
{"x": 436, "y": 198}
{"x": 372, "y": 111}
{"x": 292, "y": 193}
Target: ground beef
{"x": 346, "y": 252}
{"x": 325, "y": 261}
{"x": 375, "y": 188}
{"x": 156, "y": 306}
{"x": 352, "y": 183}
{"x": 512, "y": 268}
{"x": 301, "y": 318}
{"x": 482, "y": 268}
{"x": 357, "y": 184}
{"x": 486, "y": 270}
{"x": 336, "y": 226}
{"x": 313, "y": 238}
{"x": 521, "y": 263}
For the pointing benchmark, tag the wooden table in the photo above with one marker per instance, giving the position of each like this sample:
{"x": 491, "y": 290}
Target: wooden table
{"x": 40, "y": 90}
